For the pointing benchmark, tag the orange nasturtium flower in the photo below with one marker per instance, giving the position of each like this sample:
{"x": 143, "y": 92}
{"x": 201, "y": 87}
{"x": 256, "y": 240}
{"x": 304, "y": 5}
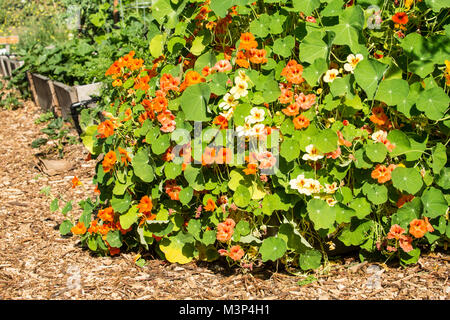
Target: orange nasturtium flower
{"x": 447, "y": 72}
{"x": 141, "y": 83}
{"x": 172, "y": 189}
{"x": 106, "y": 214}
{"x": 418, "y": 227}
{"x": 378, "y": 116}
{"x": 342, "y": 141}
{"x": 258, "y": 56}
{"x": 76, "y": 182}
{"x": 225, "y": 230}
{"x": 79, "y": 228}
{"x": 242, "y": 60}
{"x": 252, "y": 168}
{"x": 145, "y": 205}
{"x": 109, "y": 160}
{"x": 94, "y": 227}
{"x": 124, "y": 157}
{"x": 286, "y": 96}
{"x": 236, "y": 253}
{"x": 405, "y": 243}
{"x": 210, "y": 205}
{"x": 293, "y": 72}
{"x": 128, "y": 115}
{"x": 395, "y": 232}
{"x": 113, "y": 251}
{"x": 247, "y": 41}
{"x": 224, "y": 155}
{"x": 105, "y": 129}
{"x": 301, "y": 122}
{"x": 428, "y": 225}
{"x": 382, "y": 173}
{"x": 192, "y": 77}
{"x": 400, "y": 18}
{"x": 209, "y": 156}
{"x": 169, "y": 82}
{"x": 221, "y": 121}
{"x": 291, "y": 110}
{"x": 403, "y": 199}
{"x": 117, "y": 83}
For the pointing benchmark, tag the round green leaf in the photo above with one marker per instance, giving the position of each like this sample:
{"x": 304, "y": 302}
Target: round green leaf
{"x": 179, "y": 248}
{"x": 368, "y": 74}
{"x": 433, "y": 102}
{"x": 310, "y": 259}
{"x": 326, "y": 141}
{"x": 114, "y": 238}
{"x": 141, "y": 167}
{"x": 186, "y": 195}
{"x": 161, "y": 144}
{"x": 172, "y": 170}
{"x": 307, "y": 7}
{"x": 356, "y": 233}
{"x": 272, "y": 249}
{"x": 242, "y": 196}
{"x": 408, "y": 212}
{"x": 376, "y": 152}
{"x": 377, "y": 194}
{"x": 312, "y": 47}
{"x": 392, "y": 91}
{"x": 243, "y": 228}
{"x": 290, "y": 149}
{"x": 284, "y": 46}
{"x": 271, "y": 91}
{"x": 260, "y": 26}
{"x": 407, "y": 179}
{"x": 434, "y": 203}
{"x": 439, "y": 157}
{"x": 401, "y": 142}
{"x": 443, "y": 179}
{"x": 157, "y": 45}
{"x": 321, "y": 214}
{"x": 127, "y": 219}
{"x": 361, "y": 206}
{"x": 64, "y": 227}
{"x": 193, "y": 102}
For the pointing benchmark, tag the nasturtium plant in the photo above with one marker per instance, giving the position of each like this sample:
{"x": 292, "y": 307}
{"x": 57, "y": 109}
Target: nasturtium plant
{"x": 266, "y": 131}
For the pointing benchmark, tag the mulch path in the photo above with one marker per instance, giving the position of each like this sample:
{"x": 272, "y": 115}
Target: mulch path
{"x": 37, "y": 263}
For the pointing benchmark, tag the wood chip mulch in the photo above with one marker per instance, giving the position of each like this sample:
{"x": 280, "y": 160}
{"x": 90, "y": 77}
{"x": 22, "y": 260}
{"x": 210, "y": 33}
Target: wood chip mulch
{"x": 37, "y": 263}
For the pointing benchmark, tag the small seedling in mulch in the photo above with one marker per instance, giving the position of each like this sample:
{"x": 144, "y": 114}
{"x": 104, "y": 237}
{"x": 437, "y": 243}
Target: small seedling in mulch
{"x": 45, "y": 190}
{"x": 57, "y": 130}
{"x": 309, "y": 279}
{"x": 44, "y": 117}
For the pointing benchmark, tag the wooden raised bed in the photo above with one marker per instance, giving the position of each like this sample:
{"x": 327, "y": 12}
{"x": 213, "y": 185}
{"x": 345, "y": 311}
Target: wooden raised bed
{"x": 43, "y": 88}
{"x": 67, "y": 95}
{"x": 3, "y": 66}
{"x": 8, "y": 65}
{"x": 14, "y": 64}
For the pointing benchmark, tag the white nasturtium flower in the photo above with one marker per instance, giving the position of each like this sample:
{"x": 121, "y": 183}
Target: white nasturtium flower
{"x": 298, "y": 183}
{"x": 352, "y": 60}
{"x": 312, "y": 153}
{"x": 331, "y": 75}
{"x": 379, "y": 135}
{"x": 228, "y": 102}
{"x": 256, "y": 115}
{"x": 331, "y": 188}
{"x": 240, "y": 88}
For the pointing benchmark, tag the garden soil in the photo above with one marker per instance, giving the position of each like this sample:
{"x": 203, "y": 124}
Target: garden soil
{"x": 36, "y": 262}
